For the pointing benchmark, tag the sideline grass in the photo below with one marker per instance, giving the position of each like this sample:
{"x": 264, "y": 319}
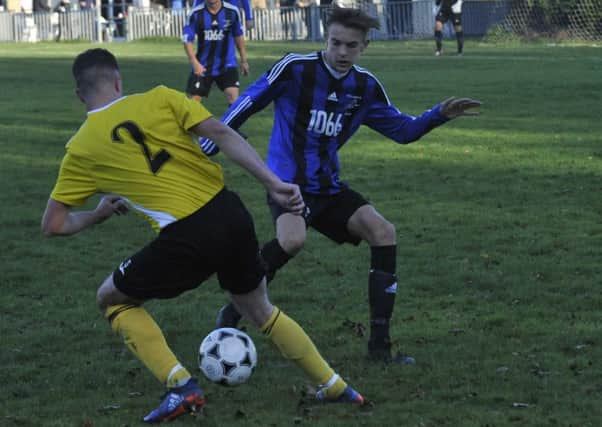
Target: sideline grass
{"x": 499, "y": 225}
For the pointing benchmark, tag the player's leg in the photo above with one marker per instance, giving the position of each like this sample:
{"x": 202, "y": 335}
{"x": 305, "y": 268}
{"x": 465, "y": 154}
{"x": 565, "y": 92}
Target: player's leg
{"x": 291, "y": 232}
{"x": 141, "y": 334}
{"x": 459, "y": 33}
{"x": 229, "y": 83}
{"x": 242, "y": 274}
{"x": 164, "y": 268}
{"x": 231, "y": 94}
{"x": 145, "y": 340}
{"x": 379, "y": 233}
{"x": 290, "y": 237}
{"x": 438, "y": 35}
{"x": 348, "y": 218}
{"x": 294, "y": 344}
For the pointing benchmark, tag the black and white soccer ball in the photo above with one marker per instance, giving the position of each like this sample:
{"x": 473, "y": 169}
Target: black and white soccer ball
{"x": 227, "y": 356}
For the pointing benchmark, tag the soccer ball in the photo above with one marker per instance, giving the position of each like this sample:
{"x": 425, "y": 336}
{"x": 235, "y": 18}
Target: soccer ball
{"x": 227, "y": 356}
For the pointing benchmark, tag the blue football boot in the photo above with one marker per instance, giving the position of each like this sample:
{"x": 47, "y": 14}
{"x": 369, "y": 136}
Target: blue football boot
{"x": 349, "y": 395}
{"x": 187, "y": 399}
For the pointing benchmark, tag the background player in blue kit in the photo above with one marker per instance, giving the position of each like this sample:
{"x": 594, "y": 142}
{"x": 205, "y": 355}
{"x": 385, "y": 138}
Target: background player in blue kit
{"x": 243, "y": 5}
{"x": 320, "y": 100}
{"x": 217, "y": 26}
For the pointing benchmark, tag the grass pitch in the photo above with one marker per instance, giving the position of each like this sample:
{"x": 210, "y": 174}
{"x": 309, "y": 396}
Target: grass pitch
{"x": 499, "y": 227}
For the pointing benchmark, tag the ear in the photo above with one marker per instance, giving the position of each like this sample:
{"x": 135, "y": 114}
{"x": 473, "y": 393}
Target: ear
{"x": 79, "y": 95}
{"x": 118, "y": 85}
{"x": 366, "y": 43}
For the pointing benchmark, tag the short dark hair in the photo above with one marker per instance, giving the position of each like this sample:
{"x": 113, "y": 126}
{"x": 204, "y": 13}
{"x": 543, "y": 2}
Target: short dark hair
{"x": 352, "y": 18}
{"x": 93, "y": 67}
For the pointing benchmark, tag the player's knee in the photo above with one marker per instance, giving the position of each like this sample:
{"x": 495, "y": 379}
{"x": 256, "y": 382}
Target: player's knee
{"x": 255, "y": 306}
{"x": 382, "y": 234}
{"x": 259, "y": 314}
{"x": 292, "y": 243}
{"x": 102, "y": 300}
{"x": 108, "y": 295}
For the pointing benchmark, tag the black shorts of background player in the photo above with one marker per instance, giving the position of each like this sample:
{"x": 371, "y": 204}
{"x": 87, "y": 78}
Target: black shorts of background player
{"x": 446, "y": 10}
{"x": 200, "y": 86}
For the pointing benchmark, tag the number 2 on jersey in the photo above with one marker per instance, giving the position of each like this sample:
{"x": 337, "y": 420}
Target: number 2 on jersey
{"x": 155, "y": 163}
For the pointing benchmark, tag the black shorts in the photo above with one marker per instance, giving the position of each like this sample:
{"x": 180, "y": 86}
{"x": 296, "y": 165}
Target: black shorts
{"x": 445, "y": 14}
{"x": 218, "y": 238}
{"x": 201, "y": 85}
{"x": 328, "y": 214}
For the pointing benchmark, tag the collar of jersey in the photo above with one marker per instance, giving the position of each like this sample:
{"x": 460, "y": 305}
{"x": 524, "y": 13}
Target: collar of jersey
{"x": 332, "y": 71}
{"x": 104, "y": 107}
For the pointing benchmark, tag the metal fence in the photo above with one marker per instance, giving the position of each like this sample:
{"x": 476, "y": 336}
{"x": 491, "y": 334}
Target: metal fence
{"x": 400, "y": 19}
{"x": 144, "y": 23}
{"x": 44, "y": 26}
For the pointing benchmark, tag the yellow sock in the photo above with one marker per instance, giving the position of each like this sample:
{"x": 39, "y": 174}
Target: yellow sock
{"x": 144, "y": 338}
{"x": 295, "y": 345}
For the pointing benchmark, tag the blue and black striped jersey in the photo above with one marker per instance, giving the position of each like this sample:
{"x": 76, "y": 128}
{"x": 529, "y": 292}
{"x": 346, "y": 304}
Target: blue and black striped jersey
{"x": 215, "y": 36}
{"x": 243, "y": 5}
{"x": 316, "y": 113}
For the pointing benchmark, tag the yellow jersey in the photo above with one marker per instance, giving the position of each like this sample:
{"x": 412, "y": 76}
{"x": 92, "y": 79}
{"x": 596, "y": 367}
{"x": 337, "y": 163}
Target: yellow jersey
{"x": 139, "y": 147}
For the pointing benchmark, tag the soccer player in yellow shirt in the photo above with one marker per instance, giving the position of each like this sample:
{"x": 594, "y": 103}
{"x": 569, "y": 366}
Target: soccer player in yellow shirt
{"x": 137, "y": 150}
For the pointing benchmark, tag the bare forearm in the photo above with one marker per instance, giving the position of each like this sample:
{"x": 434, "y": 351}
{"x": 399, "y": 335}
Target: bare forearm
{"x": 237, "y": 149}
{"x": 78, "y": 221}
{"x": 71, "y": 223}
{"x": 60, "y": 220}
{"x": 242, "y": 50}
{"x": 189, "y": 49}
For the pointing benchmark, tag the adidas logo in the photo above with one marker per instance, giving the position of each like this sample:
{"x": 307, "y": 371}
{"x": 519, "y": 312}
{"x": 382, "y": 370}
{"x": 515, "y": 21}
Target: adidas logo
{"x": 391, "y": 289}
{"x": 214, "y": 23}
{"x": 333, "y": 97}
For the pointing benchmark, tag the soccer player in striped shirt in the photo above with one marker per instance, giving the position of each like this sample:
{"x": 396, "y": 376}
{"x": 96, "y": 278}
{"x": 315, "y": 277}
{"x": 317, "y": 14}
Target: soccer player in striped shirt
{"x": 320, "y": 100}
{"x": 244, "y": 5}
{"x": 217, "y": 26}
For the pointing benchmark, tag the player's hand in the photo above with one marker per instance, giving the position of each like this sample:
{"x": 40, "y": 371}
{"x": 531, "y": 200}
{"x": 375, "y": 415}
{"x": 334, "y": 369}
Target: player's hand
{"x": 249, "y": 24}
{"x": 198, "y": 68}
{"x": 455, "y": 107}
{"x": 289, "y": 197}
{"x": 244, "y": 68}
{"x": 110, "y": 204}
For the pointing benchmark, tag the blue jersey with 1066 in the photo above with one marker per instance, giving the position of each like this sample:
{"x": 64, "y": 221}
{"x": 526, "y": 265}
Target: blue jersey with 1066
{"x": 316, "y": 113}
{"x": 215, "y": 35}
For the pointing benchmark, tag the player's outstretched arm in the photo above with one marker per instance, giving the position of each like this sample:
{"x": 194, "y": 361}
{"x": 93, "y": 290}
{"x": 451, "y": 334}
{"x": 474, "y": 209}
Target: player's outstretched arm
{"x": 239, "y": 151}
{"x": 60, "y": 220}
{"x": 455, "y": 107}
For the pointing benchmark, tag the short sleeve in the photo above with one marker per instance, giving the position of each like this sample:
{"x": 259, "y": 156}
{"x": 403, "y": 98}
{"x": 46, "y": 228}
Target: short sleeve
{"x": 74, "y": 184}
{"x": 188, "y": 113}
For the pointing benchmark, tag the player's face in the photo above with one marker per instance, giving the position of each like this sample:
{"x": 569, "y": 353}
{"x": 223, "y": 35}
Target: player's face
{"x": 343, "y": 46}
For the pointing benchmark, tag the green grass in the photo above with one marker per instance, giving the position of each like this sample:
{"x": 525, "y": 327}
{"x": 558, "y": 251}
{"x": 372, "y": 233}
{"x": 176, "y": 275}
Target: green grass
{"x": 499, "y": 223}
